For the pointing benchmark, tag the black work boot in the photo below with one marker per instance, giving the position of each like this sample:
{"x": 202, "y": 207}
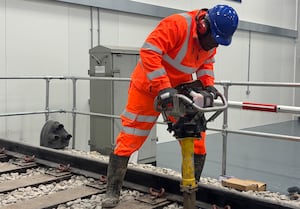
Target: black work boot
{"x": 115, "y": 175}
{"x": 199, "y": 161}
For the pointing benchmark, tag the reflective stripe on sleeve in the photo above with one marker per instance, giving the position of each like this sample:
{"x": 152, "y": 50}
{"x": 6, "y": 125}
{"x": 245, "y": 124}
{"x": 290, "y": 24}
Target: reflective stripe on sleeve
{"x": 149, "y": 46}
{"x": 205, "y": 72}
{"x": 178, "y": 66}
{"x": 212, "y": 60}
{"x": 156, "y": 73}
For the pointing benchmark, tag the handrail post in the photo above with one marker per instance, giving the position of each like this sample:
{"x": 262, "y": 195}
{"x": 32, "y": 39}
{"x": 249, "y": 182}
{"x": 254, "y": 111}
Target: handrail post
{"x": 73, "y": 112}
{"x": 224, "y": 132}
{"x": 47, "y": 99}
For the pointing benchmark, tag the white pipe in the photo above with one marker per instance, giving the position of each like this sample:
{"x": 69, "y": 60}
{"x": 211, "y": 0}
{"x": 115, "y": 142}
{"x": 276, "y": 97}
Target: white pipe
{"x": 262, "y": 107}
{"x": 288, "y": 109}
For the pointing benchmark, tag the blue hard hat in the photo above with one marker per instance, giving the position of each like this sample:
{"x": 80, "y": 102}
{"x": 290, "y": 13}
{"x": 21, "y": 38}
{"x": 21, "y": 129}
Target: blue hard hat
{"x": 223, "y": 21}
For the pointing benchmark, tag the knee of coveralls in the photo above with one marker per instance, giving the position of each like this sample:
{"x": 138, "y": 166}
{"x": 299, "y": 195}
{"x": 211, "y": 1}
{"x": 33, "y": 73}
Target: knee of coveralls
{"x": 126, "y": 144}
{"x": 139, "y": 104}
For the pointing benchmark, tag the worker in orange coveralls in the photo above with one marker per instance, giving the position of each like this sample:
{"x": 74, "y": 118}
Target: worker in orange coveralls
{"x": 181, "y": 45}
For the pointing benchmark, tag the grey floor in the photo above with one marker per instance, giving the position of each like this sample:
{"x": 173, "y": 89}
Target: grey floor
{"x": 273, "y": 161}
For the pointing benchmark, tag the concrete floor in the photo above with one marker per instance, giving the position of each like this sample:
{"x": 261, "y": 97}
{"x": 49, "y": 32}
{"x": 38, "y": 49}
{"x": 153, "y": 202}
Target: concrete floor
{"x": 273, "y": 161}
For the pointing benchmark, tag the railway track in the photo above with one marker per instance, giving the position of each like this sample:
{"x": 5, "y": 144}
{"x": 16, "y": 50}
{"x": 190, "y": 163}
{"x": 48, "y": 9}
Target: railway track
{"x": 40, "y": 168}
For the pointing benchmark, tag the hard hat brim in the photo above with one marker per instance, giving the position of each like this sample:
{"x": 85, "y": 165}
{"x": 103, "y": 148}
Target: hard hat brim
{"x": 221, "y": 40}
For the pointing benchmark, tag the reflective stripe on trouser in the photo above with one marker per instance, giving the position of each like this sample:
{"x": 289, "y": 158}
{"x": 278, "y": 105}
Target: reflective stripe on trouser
{"x": 137, "y": 123}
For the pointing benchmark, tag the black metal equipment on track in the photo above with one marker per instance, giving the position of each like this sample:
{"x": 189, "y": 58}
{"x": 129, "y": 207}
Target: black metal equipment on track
{"x": 140, "y": 180}
{"x": 188, "y": 108}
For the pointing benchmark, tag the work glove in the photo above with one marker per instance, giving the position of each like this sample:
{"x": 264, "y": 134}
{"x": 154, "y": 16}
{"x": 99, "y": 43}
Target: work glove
{"x": 213, "y": 91}
{"x": 164, "y": 99}
{"x": 186, "y": 87}
{"x": 202, "y": 98}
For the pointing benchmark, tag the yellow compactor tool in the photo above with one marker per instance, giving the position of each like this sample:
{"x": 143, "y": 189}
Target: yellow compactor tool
{"x": 187, "y": 120}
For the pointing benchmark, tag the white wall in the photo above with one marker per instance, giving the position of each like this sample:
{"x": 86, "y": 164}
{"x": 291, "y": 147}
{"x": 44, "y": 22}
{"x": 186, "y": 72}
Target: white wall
{"x": 279, "y": 13}
{"x": 297, "y": 71}
{"x": 42, "y": 38}
{"x": 2, "y": 65}
{"x": 52, "y": 38}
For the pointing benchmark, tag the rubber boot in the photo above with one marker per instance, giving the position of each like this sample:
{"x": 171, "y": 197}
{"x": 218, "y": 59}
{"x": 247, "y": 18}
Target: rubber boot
{"x": 199, "y": 161}
{"x": 115, "y": 175}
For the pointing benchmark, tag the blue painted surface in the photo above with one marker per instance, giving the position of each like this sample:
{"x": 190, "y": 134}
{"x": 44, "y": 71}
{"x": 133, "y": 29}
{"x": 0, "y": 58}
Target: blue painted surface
{"x": 273, "y": 161}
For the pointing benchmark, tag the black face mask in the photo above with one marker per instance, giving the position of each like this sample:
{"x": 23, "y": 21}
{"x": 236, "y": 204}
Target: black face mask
{"x": 207, "y": 41}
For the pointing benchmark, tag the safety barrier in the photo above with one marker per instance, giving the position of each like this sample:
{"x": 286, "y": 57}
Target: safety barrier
{"x": 253, "y": 106}
{"x": 224, "y": 130}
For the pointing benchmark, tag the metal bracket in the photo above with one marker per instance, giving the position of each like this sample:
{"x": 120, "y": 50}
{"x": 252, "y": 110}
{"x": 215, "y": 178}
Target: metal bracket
{"x": 61, "y": 170}
{"x": 151, "y": 200}
{"x": 98, "y": 185}
{"x": 24, "y": 163}
{"x": 56, "y": 173}
{"x": 155, "y": 198}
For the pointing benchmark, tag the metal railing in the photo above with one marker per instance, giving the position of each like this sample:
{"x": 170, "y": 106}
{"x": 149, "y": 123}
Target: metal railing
{"x": 224, "y": 130}
{"x": 277, "y": 108}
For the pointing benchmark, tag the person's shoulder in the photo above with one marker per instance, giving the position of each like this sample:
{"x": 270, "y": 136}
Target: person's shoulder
{"x": 178, "y": 18}
{"x": 184, "y": 15}
{"x": 173, "y": 17}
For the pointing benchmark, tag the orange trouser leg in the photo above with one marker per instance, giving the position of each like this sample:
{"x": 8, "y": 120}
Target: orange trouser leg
{"x": 199, "y": 145}
{"x": 137, "y": 123}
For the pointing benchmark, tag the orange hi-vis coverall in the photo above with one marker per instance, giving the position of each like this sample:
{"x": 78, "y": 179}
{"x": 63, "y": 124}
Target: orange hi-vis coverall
{"x": 170, "y": 56}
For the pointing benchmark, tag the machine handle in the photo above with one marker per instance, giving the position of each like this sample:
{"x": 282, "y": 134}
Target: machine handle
{"x": 188, "y": 101}
{"x": 217, "y": 109}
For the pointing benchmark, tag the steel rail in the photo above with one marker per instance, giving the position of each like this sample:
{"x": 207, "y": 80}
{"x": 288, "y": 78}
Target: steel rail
{"x": 141, "y": 179}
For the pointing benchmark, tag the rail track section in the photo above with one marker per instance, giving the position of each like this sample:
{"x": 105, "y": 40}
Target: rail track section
{"x": 158, "y": 190}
